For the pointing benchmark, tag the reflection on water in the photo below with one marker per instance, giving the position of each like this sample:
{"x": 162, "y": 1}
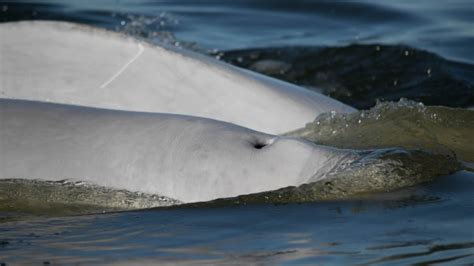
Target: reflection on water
{"x": 424, "y": 224}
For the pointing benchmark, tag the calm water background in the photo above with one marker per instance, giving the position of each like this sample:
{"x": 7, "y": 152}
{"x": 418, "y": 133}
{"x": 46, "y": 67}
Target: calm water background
{"x": 429, "y": 224}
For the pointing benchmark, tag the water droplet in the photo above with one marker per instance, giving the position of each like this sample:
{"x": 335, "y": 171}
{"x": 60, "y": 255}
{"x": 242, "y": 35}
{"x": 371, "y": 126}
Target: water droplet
{"x": 123, "y": 22}
{"x": 407, "y": 53}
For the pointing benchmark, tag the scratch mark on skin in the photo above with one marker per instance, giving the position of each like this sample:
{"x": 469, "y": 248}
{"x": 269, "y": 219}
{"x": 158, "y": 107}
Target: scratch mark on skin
{"x": 122, "y": 69}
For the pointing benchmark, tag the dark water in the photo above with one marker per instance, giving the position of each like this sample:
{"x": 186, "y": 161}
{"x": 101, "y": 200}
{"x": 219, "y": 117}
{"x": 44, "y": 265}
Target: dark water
{"x": 361, "y": 74}
{"x": 355, "y": 51}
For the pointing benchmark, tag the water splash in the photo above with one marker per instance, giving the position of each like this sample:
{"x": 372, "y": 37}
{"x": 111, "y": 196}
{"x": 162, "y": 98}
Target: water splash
{"x": 405, "y": 124}
{"x": 157, "y": 29}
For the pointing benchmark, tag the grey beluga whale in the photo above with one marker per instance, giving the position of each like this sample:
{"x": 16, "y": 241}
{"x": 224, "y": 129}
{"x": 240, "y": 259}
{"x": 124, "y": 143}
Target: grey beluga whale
{"x": 186, "y": 158}
{"x": 75, "y": 64}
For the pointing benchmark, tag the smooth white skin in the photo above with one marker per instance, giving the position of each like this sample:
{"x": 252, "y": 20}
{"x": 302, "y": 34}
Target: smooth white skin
{"x": 73, "y": 64}
{"x": 182, "y": 157}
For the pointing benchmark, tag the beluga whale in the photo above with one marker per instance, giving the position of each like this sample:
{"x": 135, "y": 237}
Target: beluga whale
{"x": 85, "y": 104}
{"x": 74, "y": 64}
{"x": 185, "y": 158}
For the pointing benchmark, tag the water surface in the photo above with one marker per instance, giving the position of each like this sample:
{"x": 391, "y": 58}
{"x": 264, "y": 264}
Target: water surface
{"x": 359, "y": 52}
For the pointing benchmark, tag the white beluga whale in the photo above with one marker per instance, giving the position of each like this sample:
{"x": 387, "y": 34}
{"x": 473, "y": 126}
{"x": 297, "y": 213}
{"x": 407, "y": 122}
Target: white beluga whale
{"x": 80, "y": 65}
{"x": 182, "y": 157}
{"x": 130, "y": 115}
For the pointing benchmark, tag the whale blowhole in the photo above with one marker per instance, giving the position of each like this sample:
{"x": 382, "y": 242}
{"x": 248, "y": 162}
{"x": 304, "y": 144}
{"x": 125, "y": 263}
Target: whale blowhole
{"x": 259, "y": 145}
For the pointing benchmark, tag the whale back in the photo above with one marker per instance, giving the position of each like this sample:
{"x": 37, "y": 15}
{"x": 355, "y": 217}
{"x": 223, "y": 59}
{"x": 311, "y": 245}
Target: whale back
{"x": 181, "y": 157}
{"x": 74, "y": 64}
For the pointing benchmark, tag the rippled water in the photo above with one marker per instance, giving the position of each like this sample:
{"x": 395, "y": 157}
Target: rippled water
{"x": 359, "y": 52}
{"x": 423, "y": 224}
{"x": 405, "y": 124}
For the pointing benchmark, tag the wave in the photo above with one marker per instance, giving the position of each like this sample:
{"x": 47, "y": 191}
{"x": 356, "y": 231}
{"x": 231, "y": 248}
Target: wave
{"x": 406, "y": 124}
